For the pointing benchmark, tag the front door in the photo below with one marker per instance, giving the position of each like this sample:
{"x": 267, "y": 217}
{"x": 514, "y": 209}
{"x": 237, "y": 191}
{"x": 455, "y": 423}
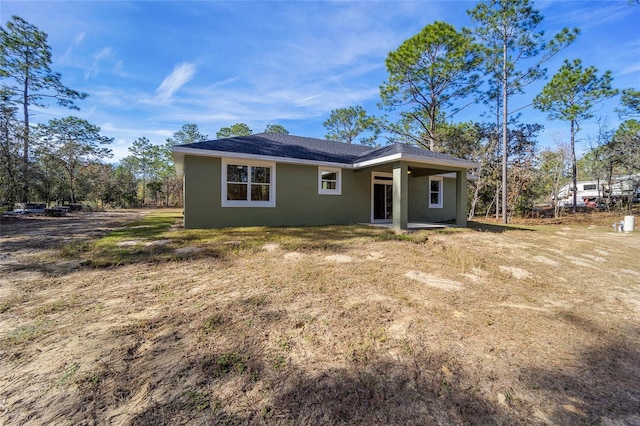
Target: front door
{"x": 382, "y": 197}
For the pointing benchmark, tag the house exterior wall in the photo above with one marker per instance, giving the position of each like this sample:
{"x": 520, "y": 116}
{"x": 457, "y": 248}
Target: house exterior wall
{"x": 419, "y": 210}
{"x": 297, "y": 198}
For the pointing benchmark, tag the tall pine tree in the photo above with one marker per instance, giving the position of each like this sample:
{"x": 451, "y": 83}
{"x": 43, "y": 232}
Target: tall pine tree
{"x": 509, "y": 31}
{"x": 27, "y": 79}
{"x": 570, "y": 96}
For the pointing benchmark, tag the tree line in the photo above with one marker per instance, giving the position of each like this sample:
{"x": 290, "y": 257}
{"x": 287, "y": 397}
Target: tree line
{"x": 432, "y": 76}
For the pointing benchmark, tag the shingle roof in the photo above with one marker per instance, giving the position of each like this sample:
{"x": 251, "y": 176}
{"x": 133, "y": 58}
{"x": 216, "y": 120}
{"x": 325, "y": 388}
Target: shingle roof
{"x": 296, "y": 147}
{"x": 286, "y": 146}
{"x": 403, "y": 148}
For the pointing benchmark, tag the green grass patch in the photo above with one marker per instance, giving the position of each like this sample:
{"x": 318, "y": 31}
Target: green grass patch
{"x": 144, "y": 240}
{"x": 230, "y": 363}
{"x": 279, "y": 362}
{"x": 68, "y": 374}
{"x": 257, "y": 301}
{"x": 151, "y": 227}
{"x": 57, "y": 306}
{"x": 75, "y": 249}
{"x": 213, "y": 323}
{"x": 89, "y": 378}
{"x": 9, "y": 303}
{"x": 198, "y": 400}
{"x": 28, "y": 332}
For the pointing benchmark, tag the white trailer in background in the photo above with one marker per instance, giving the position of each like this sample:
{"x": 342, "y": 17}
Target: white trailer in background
{"x": 593, "y": 192}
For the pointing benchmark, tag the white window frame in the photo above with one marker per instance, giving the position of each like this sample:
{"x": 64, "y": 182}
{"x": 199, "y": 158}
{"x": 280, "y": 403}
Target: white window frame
{"x": 249, "y": 164}
{"x": 440, "y": 192}
{"x": 338, "y": 172}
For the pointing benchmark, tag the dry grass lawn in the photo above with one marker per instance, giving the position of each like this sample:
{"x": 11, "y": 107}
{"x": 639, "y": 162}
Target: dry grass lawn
{"x": 147, "y": 323}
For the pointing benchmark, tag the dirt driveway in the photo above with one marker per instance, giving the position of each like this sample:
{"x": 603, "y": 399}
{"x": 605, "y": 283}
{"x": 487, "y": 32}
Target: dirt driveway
{"x": 40, "y": 232}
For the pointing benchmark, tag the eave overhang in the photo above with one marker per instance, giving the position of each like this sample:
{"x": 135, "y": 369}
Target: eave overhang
{"x": 180, "y": 152}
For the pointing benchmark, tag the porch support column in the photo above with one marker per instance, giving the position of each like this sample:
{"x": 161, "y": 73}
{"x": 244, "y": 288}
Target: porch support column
{"x": 461, "y": 198}
{"x": 400, "y": 196}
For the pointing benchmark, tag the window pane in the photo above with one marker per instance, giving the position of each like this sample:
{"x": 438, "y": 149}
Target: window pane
{"x": 329, "y": 185}
{"x": 435, "y": 185}
{"x": 329, "y": 175}
{"x": 236, "y": 191}
{"x": 236, "y": 173}
{"x": 434, "y": 198}
{"x": 260, "y": 174}
{"x": 260, "y": 192}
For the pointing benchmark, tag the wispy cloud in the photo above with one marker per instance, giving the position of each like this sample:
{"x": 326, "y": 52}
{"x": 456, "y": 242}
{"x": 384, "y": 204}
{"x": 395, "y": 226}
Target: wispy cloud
{"x": 223, "y": 82}
{"x": 180, "y": 75}
{"x": 76, "y": 41}
{"x": 593, "y": 16}
{"x": 631, "y": 69}
{"x": 118, "y": 69}
{"x": 93, "y": 71}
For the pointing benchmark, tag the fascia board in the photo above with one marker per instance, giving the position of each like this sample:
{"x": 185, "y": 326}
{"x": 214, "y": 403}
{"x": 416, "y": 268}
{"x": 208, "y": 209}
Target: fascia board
{"x": 376, "y": 161}
{"x": 243, "y": 156}
{"x": 416, "y": 159}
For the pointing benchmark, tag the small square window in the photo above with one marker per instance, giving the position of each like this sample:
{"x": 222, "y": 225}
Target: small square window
{"x": 329, "y": 181}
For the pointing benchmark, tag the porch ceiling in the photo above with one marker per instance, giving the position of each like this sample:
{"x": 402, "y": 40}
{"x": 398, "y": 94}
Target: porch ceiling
{"x": 415, "y": 171}
{"x": 425, "y": 171}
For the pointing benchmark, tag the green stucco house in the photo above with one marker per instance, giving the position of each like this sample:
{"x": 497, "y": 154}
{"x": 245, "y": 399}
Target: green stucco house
{"x": 274, "y": 179}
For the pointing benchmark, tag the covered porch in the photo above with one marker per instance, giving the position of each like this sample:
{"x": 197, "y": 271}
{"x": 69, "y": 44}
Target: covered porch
{"x": 413, "y": 195}
{"x": 403, "y": 171}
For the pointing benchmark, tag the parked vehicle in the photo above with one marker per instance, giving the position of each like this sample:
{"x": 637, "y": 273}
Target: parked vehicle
{"x": 41, "y": 208}
{"x": 593, "y": 193}
{"x": 29, "y": 208}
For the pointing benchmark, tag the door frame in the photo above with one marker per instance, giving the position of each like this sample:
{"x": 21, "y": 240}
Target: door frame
{"x": 387, "y": 179}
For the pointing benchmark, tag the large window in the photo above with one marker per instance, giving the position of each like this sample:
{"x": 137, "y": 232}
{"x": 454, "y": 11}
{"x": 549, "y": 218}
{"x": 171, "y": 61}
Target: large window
{"x": 435, "y": 192}
{"x": 329, "y": 181}
{"x": 248, "y": 184}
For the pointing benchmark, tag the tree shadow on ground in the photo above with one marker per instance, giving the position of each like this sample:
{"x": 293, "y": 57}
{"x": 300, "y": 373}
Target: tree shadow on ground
{"x": 420, "y": 391}
{"x": 603, "y": 388}
{"x": 494, "y": 227}
{"x": 156, "y": 377}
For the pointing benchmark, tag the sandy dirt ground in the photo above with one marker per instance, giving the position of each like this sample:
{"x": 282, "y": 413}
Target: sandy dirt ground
{"x": 511, "y": 327}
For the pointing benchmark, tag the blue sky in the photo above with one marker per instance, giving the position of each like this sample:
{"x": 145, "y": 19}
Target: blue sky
{"x": 151, "y": 66}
